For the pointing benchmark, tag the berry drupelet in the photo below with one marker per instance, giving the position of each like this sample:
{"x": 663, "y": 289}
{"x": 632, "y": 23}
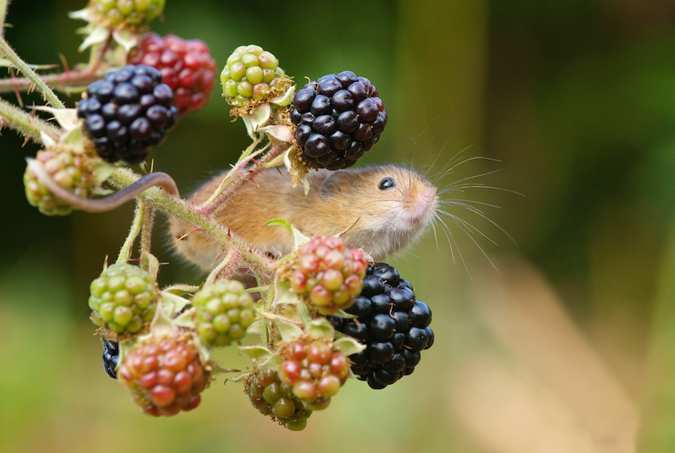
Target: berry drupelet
{"x": 392, "y": 324}
{"x": 128, "y": 112}
{"x": 338, "y": 118}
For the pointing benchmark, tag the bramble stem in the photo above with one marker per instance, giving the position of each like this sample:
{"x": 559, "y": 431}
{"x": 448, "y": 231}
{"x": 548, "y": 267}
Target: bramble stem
{"x": 134, "y": 231}
{"x": 228, "y": 266}
{"x": 147, "y": 221}
{"x": 11, "y": 55}
{"x": 26, "y": 124}
{"x": 3, "y": 14}
{"x": 259, "y": 263}
{"x": 242, "y": 176}
{"x": 61, "y": 81}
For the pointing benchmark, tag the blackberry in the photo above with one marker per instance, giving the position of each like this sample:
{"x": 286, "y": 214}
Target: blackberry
{"x": 327, "y": 274}
{"x": 165, "y": 375}
{"x": 392, "y": 324}
{"x": 275, "y": 399}
{"x": 127, "y": 112}
{"x": 125, "y": 13}
{"x": 186, "y": 66}
{"x": 74, "y": 172}
{"x": 338, "y": 118}
{"x": 251, "y": 73}
{"x": 111, "y": 357}
{"x": 223, "y": 312}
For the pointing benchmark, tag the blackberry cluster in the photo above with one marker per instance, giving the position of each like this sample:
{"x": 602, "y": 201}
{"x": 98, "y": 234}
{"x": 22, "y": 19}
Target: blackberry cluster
{"x": 275, "y": 399}
{"x": 392, "y": 324}
{"x": 328, "y": 274}
{"x": 338, "y": 118}
{"x": 165, "y": 375}
{"x": 73, "y": 172}
{"x": 111, "y": 357}
{"x": 128, "y": 112}
{"x": 186, "y": 66}
{"x": 223, "y": 312}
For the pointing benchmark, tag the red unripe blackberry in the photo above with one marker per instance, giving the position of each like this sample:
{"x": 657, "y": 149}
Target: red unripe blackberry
{"x": 186, "y": 67}
{"x": 275, "y": 399}
{"x": 391, "y": 323}
{"x": 328, "y": 275}
{"x": 314, "y": 369}
{"x": 165, "y": 375}
{"x": 127, "y": 112}
{"x": 338, "y": 118}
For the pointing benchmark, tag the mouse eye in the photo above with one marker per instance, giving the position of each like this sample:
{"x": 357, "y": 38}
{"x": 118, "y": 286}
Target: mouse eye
{"x": 386, "y": 183}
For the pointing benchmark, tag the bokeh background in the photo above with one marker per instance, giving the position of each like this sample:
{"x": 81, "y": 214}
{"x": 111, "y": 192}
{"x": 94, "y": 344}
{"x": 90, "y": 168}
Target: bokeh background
{"x": 561, "y": 339}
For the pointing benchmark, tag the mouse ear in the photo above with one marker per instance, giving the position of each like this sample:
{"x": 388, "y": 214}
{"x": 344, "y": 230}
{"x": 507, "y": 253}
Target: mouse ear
{"x": 336, "y": 181}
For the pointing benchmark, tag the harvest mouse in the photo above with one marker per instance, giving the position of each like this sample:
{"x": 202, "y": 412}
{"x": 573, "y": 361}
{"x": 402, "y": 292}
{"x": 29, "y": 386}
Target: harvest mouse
{"x": 383, "y": 209}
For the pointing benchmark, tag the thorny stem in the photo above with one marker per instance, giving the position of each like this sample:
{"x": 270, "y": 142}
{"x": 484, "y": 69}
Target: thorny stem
{"x": 242, "y": 176}
{"x": 136, "y": 226}
{"x": 26, "y": 124}
{"x": 3, "y": 14}
{"x": 180, "y": 208}
{"x": 60, "y": 81}
{"x": 147, "y": 221}
{"x": 227, "y": 267}
{"x": 11, "y": 55}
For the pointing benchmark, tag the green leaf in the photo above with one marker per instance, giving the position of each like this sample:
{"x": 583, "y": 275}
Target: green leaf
{"x": 299, "y": 239}
{"x": 349, "y": 346}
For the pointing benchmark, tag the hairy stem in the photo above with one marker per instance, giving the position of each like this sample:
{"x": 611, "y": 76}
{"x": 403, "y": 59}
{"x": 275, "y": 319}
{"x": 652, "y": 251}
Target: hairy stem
{"x": 242, "y": 176}
{"x": 11, "y": 55}
{"x": 147, "y": 221}
{"x": 180, "y": 208}
{"x": 26, "y": 124}
{"x": 3, "y": 14}
{"x": 61, "y": 81}
{"x": 134, "y": 231}
{"x": 228, "y": 266}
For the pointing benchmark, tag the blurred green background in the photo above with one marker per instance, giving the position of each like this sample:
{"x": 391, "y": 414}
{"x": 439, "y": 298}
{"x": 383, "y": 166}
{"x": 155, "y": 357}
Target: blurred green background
{"x": 565, "y": 344}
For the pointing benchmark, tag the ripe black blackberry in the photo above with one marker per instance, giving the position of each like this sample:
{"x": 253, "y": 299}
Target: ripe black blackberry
{"x": 111, "y": 356}
{"x": 338, "y": 118}
{"x": 127, "y": 112}
{"x": 392, "y": 324}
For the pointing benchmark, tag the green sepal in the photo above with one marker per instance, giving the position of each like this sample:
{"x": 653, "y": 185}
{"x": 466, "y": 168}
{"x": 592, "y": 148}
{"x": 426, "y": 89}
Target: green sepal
{"x": 289, "y": 331}
{"x": 284, "y": 99}
{"x": 125, "y": 38}
{"x": 279, "y": 132}
{"x": 348, "y": 345}
{"x": 299, "y": 239}
{"x": 73, "y": 139}
{"x": 152, "y": 263}
{"x": 186, "y": 319}
{"x": 217, "y": 368}
{"x": 180, "y": 289}
{"x": 67, "y": 118}
{"x": 256, "y": 352}
{"x": 320, "y": 328}
{"x": 296, "y": 169}
{"x": 255, "y": 327}
{"x": 102, "y": 171}
{"x": 173, "y": 303}
{"x": 257, "y": 118}
{"x": 272, "y": 361}
{"x": 343, "y": 314}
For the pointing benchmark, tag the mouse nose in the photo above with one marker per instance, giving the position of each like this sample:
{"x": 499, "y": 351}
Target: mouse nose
{"x": 428, "y": 195}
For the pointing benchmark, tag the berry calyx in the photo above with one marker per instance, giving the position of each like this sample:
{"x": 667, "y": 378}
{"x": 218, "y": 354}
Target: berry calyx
{"x": 338, "y": 118}
{"x": 115, "y": 14}
{"x": 223, "y": 311}
{"x": 251, "y": 74}
{"x": 391, "y": 323}
{"x": 186, "y": 67}
{"x": 165, "y": 375}
{"x": 275, "y": 399}
{"x": 123, "y": 299}
{"x": 314, "y": 369}
{"x": 73, "y": 172}
{"x": 328, "y": 275}
{"x": 127, "y": 112}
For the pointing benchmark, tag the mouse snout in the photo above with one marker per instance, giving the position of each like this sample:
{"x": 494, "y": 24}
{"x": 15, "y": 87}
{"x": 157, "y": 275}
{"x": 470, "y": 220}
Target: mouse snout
{"x": 428, "y": 195}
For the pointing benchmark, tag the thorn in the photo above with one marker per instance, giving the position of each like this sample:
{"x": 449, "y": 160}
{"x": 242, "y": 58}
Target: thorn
{"x": 195, "y": 229}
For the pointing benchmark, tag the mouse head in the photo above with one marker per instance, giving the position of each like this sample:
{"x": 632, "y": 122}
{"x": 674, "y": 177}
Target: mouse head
{"x": 393, "y": 205}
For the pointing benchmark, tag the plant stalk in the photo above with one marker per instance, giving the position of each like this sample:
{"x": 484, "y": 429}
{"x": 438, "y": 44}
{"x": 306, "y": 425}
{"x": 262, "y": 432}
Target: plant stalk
{"x": 26, "y": 124}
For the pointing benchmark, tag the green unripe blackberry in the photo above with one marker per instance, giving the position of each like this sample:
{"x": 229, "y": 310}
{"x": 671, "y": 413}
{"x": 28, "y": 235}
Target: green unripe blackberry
{"x": 275, "y": 399}
{"x": 223, "y": 312}
{"x": 251, "y": 73}
{"x": 123, "y": 298}
{"x": 73, "y": 172}
{"x": 134, "y": 13}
